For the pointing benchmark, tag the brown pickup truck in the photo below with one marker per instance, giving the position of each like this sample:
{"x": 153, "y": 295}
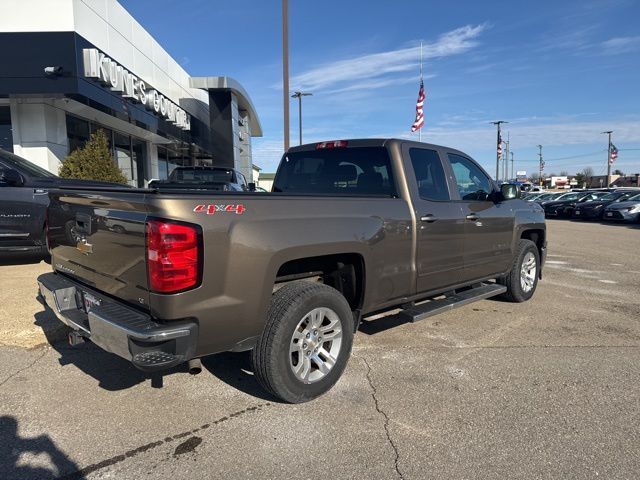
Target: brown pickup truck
{"x": 352, "y": 228}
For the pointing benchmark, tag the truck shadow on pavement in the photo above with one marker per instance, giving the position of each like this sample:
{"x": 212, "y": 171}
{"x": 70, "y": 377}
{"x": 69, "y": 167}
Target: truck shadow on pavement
{"x": 114, "y": 373}
{"x": 235, "y": 369}
{"x": 14, "y": 448}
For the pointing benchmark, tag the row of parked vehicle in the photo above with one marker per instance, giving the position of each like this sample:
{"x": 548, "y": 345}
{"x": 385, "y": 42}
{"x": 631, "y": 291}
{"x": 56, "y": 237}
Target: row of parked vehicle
{"x": 620, "y": 204}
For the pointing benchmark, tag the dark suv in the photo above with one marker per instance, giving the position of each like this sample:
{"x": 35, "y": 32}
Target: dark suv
{"x": 24, "y": 198}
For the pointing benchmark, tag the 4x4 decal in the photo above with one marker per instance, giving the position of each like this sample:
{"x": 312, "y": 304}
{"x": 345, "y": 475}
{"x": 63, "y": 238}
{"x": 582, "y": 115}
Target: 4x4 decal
{"x": 238, "y": 209}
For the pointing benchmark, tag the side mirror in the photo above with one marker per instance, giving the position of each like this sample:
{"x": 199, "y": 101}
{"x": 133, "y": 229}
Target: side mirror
{"x": 252, "y": 186}
{"x": 12, "y": 178}
{"x": 509, "y": 191}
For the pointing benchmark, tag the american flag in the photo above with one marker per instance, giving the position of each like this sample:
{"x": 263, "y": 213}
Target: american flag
{"x": 419, "y": 122}
{"x": 613, "y": 155}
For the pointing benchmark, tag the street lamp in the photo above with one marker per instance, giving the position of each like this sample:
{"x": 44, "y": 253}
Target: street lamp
{"x": 299, "y": 96}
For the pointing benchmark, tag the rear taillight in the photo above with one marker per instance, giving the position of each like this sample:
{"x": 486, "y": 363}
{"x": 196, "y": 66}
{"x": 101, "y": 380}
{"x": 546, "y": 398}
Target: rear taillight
{"x": 332, "y": 144}
{"x": 174, "y": 256}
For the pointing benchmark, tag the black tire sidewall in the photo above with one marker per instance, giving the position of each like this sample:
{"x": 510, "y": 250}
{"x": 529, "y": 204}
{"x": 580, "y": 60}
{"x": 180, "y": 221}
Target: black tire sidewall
{"x": 296, "y": 390}
{"x": 519, "y": 294}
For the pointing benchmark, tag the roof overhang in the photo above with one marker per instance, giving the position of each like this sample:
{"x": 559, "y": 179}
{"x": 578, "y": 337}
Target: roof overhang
{"x": 229, "y": 84}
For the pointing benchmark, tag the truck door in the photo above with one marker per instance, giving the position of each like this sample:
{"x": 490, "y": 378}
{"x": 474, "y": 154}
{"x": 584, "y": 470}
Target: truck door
{"x": 18, "y": 214}
{"x": 440, "y": 223}
{"x": 488, "y": 239}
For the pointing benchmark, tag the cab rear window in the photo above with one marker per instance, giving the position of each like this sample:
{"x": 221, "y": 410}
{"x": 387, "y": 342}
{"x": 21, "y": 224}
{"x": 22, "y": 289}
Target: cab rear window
{"x": 359, "y": 171}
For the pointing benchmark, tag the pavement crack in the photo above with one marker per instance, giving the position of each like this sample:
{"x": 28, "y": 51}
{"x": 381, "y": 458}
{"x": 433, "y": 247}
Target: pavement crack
{"x": 374, "y": 395}
{"x": 184, "y": 447}
{"x": 23, "y": 369}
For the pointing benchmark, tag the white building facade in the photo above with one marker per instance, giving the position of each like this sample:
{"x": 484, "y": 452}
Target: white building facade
{"x": 71, "y": 67}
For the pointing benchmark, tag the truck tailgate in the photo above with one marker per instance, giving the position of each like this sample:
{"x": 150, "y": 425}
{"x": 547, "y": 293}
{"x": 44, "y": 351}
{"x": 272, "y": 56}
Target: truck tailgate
{"x": 98, "y": 238}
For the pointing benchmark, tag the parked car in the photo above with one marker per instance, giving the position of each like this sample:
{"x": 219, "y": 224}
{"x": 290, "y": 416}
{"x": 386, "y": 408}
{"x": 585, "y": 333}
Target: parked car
{"x": 24, "y": 198}
{"x": 210, "y": 178}
{"x": 351, "y": 228}
{"x": 563, "y": 207}
{"x": 546, "y": 197}
{"x": 627, "y": 210}
{"x": 595, "y": 209}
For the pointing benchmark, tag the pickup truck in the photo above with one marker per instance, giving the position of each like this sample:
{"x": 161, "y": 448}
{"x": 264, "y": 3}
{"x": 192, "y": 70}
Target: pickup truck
{"x": 352, "y": 228}
{"x": 211, "y": 178}
{"x": 23, "y": 204}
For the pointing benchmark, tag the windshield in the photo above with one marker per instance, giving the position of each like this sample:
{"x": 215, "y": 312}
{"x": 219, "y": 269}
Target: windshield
{"x": 24, "y": 166}
{"x": 610, "y": 196}
{"x": 589, "y": 197}
{"x": 569, "y": 196}
{"x": 201, "y": 175}
{"x": 635, "y": 197}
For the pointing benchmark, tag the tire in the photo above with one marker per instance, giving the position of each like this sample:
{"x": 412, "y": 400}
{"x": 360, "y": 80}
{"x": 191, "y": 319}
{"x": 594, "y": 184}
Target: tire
{"x": 293, "y": 309}
{"x": 517, "y": 291}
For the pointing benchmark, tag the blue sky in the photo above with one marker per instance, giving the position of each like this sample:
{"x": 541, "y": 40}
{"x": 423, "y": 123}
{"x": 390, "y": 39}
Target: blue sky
{"x": 560, "y": 72}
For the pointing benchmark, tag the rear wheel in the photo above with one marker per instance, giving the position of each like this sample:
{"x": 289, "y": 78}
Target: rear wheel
{"x": 306, "y": 342}
{"x": 522, "y": 279}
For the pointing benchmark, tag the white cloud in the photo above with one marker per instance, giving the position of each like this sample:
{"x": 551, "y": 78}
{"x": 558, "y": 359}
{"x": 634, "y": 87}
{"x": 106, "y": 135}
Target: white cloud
{"x": 621, "y": 44}
{"x": 526, "y": 135}
{"x": 565, "y": 143}
{"x": 378, "y": 83}
{"x": 342, "y": 73}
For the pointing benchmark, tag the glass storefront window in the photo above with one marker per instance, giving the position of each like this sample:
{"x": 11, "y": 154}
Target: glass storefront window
{"x": 163, "y": 170}
{"x": 124, "y": 158}
{"x": 127, "y": 152}
{"x": 6, "y": 134}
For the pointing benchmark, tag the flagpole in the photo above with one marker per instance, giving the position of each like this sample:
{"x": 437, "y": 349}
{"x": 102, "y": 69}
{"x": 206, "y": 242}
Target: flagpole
{"x": 420, "y": 130}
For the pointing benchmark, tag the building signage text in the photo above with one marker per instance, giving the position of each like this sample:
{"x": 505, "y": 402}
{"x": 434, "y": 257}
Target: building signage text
{"x": 108, "y": 72}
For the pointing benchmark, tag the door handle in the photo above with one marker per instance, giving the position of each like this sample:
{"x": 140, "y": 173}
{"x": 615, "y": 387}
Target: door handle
{"x": 429, "y": 218}
{"x": 472, "y": 216}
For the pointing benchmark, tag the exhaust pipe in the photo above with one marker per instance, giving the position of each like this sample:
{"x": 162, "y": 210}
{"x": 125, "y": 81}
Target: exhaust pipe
{"x": 194, "y": 366}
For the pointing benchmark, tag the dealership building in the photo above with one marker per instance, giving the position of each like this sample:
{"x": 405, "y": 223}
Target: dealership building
{"x": 71, "y": 67}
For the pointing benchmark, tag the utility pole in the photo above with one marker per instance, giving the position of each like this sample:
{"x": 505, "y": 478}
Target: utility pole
{"x": 512, "y": 171}
{"x": 285, "y": 70}
{"x": 541, "y": 165}
{"x": 608, "y": 132}
{"x": 505, "y": 168}
{"x": 299, "y": 96}
{"x": 498, "y": 147}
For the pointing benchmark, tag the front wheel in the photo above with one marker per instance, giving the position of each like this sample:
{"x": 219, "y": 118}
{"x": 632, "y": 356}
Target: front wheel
{"x": 522, "y": 279}
{"x": 306, "y": 342}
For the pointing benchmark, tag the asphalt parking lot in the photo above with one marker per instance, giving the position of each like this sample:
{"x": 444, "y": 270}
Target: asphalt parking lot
{"x": 545, "y": 389}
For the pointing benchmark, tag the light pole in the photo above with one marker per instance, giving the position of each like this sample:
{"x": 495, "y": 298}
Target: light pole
{"x": 541, "y": 165}
{"x": 498, "y": 148}
{"x": 608, "y": 132}
{"x": 506, "y": 158}
{"x": 285, "y": 70}
{"x": 512, "y": 171}
{"x": 299, "y": 96}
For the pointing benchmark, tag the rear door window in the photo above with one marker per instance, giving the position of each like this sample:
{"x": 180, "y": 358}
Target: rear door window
{"x": 337, "y": 171}
{"x": 430, "y": 177}
{"x": 473, "y": 184}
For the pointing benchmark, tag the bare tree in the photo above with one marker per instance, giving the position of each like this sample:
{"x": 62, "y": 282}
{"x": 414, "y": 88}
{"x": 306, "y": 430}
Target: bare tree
{"x": 588, "y": 175}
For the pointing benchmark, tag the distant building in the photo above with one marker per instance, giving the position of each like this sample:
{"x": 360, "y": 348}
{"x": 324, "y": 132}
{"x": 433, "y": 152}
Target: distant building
{"x": 600, "y": 181}
{"x": 71, "y": 67}
{"x": 628, "y": 181}
{"x": 266, "y": 181}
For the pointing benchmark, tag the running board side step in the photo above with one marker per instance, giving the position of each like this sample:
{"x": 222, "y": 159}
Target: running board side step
{"x": 434, "y": 307}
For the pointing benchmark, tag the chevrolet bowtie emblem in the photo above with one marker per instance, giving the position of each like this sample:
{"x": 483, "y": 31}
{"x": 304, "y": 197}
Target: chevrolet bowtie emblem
{"x": 84, "y": 247}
